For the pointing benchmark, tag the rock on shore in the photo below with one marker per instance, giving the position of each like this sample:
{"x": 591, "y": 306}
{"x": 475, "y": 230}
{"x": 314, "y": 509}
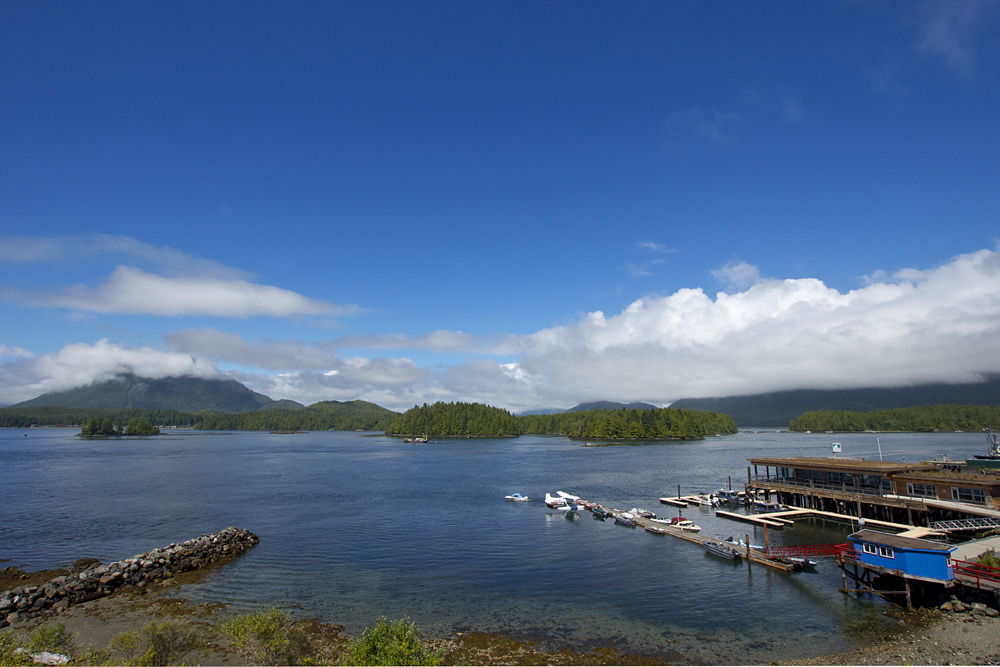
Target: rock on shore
{"x": 24, "y": 602}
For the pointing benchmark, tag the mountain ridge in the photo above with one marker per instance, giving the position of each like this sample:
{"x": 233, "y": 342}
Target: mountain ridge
{"x": 780, "y": 407}
{"x": 184, "y": 394}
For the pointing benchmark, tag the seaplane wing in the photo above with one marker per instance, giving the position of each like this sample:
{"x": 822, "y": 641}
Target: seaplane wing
{"x": 568, "y": 496}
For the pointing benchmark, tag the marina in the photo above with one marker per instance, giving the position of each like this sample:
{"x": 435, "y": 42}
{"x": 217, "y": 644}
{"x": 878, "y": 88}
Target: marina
{"x": 357, "y": 526}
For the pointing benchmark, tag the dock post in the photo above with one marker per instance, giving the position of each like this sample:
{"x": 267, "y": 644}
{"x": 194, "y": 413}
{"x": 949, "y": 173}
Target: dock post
{"x": 748, "y": 551}
{"x": 767, "y": 546}
{"x": 730, "y": 482}
{"x": 678, "y": 492}
{"x": 843, "y": 572}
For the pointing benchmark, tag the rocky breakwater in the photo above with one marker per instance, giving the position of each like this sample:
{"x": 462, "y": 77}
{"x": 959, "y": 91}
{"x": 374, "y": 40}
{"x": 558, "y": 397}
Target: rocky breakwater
{"x": 24, "y": 602}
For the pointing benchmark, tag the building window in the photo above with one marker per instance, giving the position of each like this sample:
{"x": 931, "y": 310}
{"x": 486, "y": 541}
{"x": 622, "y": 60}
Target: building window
{"x": 923, "y": 490}
{"x": 885, "y": 552}
{"x": 964, "y": 495}
{"x": 869, "y": 548}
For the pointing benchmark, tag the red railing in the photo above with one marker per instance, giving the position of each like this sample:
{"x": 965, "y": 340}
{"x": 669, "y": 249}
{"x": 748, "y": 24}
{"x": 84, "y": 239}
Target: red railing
{"x": 805, "y": 550}
{"x": 969, "y": 570}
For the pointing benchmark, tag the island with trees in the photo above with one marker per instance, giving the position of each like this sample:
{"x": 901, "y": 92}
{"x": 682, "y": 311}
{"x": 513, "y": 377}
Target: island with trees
{"x": 630, "y": 424}
{"x": 104, "y": 428}
{"x": 922, "y": 419}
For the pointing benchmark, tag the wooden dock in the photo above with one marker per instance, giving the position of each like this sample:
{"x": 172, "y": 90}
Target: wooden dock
{"x": 697, "y": 538}
{"x": 761, "y": 520}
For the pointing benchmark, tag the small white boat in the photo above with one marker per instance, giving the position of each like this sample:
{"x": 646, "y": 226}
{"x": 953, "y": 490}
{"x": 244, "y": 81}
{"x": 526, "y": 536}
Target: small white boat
{"x": 684, "y": 524}
{"x": 516, "y": 498}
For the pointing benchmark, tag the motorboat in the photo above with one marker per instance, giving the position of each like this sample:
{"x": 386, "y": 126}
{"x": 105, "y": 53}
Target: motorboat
{"x": 731, "y": 497}
{"x": 516, "y": 498}
{"x": 684, "y": 524}
{"x": 656, "y": 530}
{"x": 804, "y": 563}
{"x": 625, "y": 519}
{"x": 772, "y": 506}
{"x": 721, "y": 550}
{"x": 601, "y": 513}
{"x": 416, "y": 439}
{"x": 645, "y": 514}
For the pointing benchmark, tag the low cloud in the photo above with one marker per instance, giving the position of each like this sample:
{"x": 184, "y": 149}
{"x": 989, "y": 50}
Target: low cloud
{"x": 906, "y": 327}
{"x": 81, "y": 364}
{"x": 133, "y": 291}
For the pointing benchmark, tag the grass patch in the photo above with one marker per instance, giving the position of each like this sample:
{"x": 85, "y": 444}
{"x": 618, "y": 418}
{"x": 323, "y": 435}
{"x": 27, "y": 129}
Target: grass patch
{"x": 269, "y": 637}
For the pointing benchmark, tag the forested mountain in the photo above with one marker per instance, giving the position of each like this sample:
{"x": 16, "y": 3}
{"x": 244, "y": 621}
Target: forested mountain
{"x": 624, "y": 423}
{"x": 925, "y": 418}
{"x": 184, "y": 394}
{"x": 455, "y": 419}
{"x": 779, "y": 408}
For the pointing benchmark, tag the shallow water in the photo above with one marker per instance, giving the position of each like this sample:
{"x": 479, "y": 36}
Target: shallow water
{"x": 356, "y": 526}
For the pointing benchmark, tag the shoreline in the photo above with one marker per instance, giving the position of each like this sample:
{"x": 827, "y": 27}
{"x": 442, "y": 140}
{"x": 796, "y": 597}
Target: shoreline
{"x": 925, "y": 636}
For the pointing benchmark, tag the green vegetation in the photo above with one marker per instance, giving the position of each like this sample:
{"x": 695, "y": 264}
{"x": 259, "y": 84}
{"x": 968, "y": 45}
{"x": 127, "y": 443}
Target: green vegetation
{"x": 352, "y": 416}
{"x": 396, "y": 643}
{"x": 658, "y": 423}
{"x": 989, "y": 558}
{"x": 455, "y": 419}
{"x": 323, "y": 416}
{"x": 926, "y": 418}
{"x": 263, "y": 637}
{"x": 268, "y": 637}
{"x": 101, "y": 427}
{"x": 141, "y": 427}
{"x": 779, "y": 408}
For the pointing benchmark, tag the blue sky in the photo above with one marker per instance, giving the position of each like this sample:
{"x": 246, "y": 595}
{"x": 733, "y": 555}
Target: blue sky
{"x": 522, "y": 204}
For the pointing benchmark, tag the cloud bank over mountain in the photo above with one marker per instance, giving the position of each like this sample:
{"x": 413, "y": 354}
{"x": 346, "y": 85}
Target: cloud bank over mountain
{"x": 912, "y": 326}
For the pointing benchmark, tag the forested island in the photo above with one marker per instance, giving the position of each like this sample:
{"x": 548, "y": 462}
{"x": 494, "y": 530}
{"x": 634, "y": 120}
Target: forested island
{"x": 459, "y": 419}
{"x": 103, "y": 428}
{"x": 439, "y": 419}
{"x": 924, "y": 419}
{"x": 626, "y": 423}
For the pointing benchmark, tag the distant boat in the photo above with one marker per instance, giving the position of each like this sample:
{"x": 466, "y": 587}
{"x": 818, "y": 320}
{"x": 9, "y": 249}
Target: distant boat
{"x": 516, "y": 498}
{"x": 625, "y": 519}
{"x": 772, "y": 506}
{"x": 721, "y": 550}
{"x": 804, "y": 563}
{"x": 416, "y": 439}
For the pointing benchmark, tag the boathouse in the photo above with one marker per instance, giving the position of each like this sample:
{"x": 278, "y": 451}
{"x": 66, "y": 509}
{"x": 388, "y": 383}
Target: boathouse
{"x": 910, "y": 493}
{"x": 908, "y": 557}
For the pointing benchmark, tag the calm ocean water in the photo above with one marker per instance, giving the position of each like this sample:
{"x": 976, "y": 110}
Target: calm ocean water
{"x": 356, "y": 526}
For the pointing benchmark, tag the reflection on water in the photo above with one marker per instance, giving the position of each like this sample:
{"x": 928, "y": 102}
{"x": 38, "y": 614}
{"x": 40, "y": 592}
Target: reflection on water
{"x": 353, "y": 527}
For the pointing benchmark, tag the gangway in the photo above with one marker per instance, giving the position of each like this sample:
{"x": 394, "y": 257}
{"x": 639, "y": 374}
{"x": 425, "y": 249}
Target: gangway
{"x": 806, "y": 550}
{"x": 967, "y": 524}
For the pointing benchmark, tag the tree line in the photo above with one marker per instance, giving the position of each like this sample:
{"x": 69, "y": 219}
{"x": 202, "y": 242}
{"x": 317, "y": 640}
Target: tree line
{"x": 455, "y": 419}
{"x": 626, "y": 423}
{"x": 926, "y": 418}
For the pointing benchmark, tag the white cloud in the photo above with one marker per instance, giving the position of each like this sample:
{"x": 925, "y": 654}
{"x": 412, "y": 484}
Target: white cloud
{"x": 737, "y": 275}
{"x": 14, "y": 351}
{"x": 132, "y": 290}
{"x": 80, "y": 364}
{"x": 938, "y": 325}
{"x": 908, "y": 327}
{"x": 89, "y": 247}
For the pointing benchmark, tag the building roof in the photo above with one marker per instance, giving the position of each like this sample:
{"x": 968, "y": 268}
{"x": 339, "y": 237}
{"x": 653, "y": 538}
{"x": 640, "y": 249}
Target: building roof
{"x": 843, "y": 465}
{"x": 899, "y": 542}
{"x": 949, "y": 476}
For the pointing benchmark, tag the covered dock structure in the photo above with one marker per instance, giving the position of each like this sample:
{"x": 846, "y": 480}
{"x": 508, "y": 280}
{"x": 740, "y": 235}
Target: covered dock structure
{"x": 893, "y": 491}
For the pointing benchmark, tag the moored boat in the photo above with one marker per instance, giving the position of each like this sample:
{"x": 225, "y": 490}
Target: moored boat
{"x": 684, "y": 524}
{"x": 516, "y": 498}
{"x": 656, "y": 530}
{"x": 721, "y": 550}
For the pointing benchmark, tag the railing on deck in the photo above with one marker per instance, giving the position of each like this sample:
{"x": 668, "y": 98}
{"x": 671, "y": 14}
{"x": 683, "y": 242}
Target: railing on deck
{"x": 968, "y": 571}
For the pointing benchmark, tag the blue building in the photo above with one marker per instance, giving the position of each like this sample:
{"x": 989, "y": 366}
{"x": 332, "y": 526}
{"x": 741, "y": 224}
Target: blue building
{"x": 908, "y": 557}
